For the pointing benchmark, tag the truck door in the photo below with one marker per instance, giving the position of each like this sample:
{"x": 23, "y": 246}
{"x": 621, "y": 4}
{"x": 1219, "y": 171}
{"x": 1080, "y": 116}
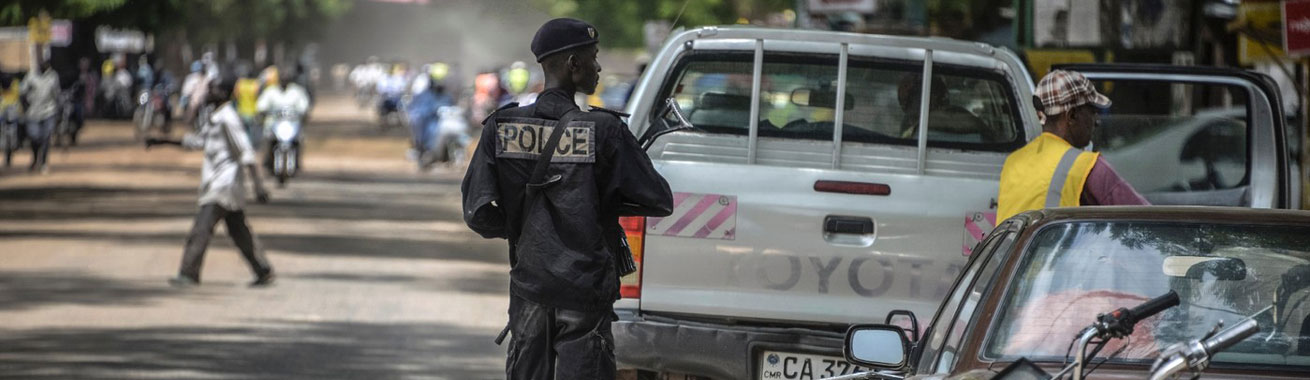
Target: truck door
{"x": 1195, "y": 135}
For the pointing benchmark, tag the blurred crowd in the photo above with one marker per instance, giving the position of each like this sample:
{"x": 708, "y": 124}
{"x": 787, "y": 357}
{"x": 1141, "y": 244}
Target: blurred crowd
{"x": 444, "y": 110}
{"x": 441, "y": 109}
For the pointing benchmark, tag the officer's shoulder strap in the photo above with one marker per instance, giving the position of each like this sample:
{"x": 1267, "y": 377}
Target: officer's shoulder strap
{"x": 502, "y": 108}
{"x": 620, "y": 115}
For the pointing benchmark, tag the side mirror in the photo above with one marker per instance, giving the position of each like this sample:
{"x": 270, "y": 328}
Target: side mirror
{"x": 1196, "y": 267}
{"x": 908, "y": 323}
{"x": 671, "y": 119}
{"x": 877, "y": 346}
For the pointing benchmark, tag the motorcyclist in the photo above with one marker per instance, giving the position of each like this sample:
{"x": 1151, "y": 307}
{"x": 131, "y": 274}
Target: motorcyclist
{"x": 424, "y": 116}
{"x": 391, "y": 90}
{"x": 285, "y": 96}
{"x": 117, "y": 89}
{"x": 11, "y": 114}
{"x": 145, "y": 74}
{"x": 365, "y": 78}
{"x": 193, "y": 90}
{"x": 86, "y": 100}
{"x": 163, "y": 87}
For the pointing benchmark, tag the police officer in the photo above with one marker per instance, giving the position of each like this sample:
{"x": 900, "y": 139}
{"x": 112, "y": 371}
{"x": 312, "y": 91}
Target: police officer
{"x": 553, "y": 180}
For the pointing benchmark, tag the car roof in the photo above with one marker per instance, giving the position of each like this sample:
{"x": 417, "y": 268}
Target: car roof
{"x": 806, "y": 36}
{"x": 1214, "y": 214}
{"x": 753, "y": 32}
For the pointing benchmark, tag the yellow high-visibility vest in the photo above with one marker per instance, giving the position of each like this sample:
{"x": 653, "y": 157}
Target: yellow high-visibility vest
{"x": 247, "y": 94}
{"x": 1048, "y": 172}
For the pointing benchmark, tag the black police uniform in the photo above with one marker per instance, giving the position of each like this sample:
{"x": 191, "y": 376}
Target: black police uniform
{"x": 563, "y": 277}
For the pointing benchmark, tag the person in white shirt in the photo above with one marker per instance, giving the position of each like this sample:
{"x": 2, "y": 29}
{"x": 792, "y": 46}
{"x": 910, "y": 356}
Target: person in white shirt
{"x": 228, "y": 159}
{"x": 193, "y": 90}
{"x": 286, "y": 95}
{"x": 40, "y": 97}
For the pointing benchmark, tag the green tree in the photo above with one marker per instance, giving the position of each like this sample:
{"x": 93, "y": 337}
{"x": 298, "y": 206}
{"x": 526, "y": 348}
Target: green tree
{"x": 204, "y": 21}
{"x": 17, "y": 12}
{"x": 247, "y": 20}
{"x": 622, "y": 21}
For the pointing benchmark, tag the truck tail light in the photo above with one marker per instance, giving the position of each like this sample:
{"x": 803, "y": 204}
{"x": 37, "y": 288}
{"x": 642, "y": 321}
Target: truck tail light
{"x": 635, "y": 229}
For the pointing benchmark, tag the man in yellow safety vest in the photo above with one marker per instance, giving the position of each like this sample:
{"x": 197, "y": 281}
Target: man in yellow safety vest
{"x": 1053, "y": 170}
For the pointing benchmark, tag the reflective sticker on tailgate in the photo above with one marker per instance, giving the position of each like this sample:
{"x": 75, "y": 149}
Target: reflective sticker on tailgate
{"x": 976, "y": 226}
{"x": 700, "y": 216}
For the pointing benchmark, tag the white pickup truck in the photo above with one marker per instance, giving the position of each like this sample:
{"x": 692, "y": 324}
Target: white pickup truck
{"x": 812, "y": 193}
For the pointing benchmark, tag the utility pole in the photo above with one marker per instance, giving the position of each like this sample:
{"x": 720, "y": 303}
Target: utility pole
{"x": 802, "y": 14}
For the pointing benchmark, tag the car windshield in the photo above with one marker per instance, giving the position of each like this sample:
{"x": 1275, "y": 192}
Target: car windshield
{"x": 1073, "y": 271}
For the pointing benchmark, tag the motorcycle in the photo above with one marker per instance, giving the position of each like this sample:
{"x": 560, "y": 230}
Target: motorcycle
{"x": 202, "y": 114}
{"x": 11, "y": 135}
{"x": 364, "y": 96}
{"x": 285, "y": 126}
{"x": 391, "y": 111}
{"x": 452, "y": 137}
{"x": 65, "y": 133}
{"x": 150, "y": 112}
{"x": 117, "y": 97}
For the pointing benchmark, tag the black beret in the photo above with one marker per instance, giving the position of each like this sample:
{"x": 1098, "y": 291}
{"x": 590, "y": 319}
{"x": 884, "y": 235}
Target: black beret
{"x": 562, "y": 34}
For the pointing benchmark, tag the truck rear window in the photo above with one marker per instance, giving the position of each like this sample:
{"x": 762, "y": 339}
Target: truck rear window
{"x": 970, "y": 108}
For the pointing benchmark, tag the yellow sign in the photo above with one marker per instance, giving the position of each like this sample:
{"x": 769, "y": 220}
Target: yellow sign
{"x": 38, "y": 28}
{"x": 1261, "y": 38}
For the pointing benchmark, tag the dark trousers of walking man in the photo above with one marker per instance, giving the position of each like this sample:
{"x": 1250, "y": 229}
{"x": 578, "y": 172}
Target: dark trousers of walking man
{"x": 202, "y": 231}
{"x": 38, "y": 133}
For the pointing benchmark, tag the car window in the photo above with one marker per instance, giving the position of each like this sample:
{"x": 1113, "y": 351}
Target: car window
{"x": 967, "y": 318}
{"x": 934, "y": 350}
{"x": 963, "y": 110}
{"x": 1073, "y": 271}
{"x": 974, "y": 108}
{"x": 1177, "y": 143}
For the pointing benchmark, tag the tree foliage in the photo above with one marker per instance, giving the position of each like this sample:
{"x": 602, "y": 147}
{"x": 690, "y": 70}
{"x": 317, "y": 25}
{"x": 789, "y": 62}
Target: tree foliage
{"x": 17, "y": 12}
{"x": 290, "y": 20}
{"x": 204, "y": 21}
{"x": 622, "y": 21}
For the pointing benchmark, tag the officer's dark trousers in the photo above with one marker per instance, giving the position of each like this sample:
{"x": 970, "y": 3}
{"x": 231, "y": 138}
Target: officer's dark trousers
{"x": 549, "y": 343}
{"x": 198, "y": 240}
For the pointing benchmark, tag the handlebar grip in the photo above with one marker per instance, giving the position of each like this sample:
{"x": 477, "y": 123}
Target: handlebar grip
{"x": 1230, "y": 336}
{"x": 1152, "y": 307}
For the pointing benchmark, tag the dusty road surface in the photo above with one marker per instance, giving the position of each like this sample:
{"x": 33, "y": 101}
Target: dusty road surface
{"x": 378, "y": 278}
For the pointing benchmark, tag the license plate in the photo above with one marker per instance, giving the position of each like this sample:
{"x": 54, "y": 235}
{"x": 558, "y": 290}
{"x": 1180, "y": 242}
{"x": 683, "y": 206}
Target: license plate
{"x": 775, "y": 365}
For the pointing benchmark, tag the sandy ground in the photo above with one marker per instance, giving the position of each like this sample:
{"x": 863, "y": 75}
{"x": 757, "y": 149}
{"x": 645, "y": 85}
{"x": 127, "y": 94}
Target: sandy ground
{"x": 378, "y": 277}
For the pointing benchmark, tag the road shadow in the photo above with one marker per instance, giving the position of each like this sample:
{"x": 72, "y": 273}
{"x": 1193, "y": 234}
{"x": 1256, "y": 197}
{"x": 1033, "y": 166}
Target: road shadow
{"x": 331, "y": 350}
{"x": 128, "y": 203}
{"x": 493, "y": 283}
{"x": 310, "y": 245}
{"x": 21, "y": 290}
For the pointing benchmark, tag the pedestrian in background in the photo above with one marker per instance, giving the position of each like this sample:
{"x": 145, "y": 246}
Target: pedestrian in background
{"x": 557, "y": 200}
{"x": 40, "y": 98}
{"x": 229, "y": 157}
{"x": 247, "y": 96}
